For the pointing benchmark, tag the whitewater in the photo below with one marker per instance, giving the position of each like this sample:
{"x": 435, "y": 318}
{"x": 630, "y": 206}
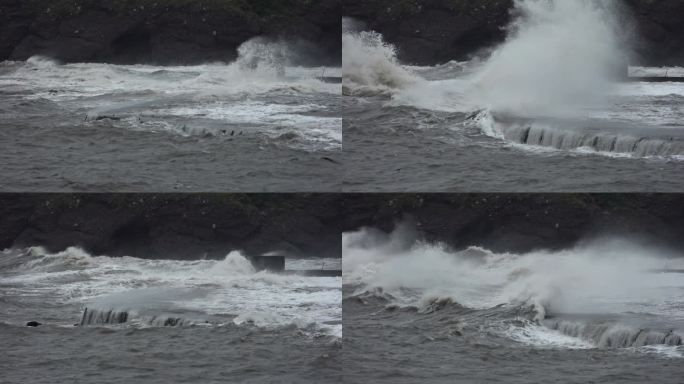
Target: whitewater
{"x": 601, "y": 311}
{"x": 126, "y": 318}
{"x": 551, "y": 100}
{"x": 258, "y": 123}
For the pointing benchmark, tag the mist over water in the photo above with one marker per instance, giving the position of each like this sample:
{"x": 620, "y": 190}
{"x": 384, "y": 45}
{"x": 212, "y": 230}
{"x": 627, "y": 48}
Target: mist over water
{"x": 226, "y": 92}
{"x": 557, "y": 53}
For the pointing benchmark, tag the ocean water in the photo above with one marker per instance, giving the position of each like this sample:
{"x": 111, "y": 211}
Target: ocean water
{"x": 253, "y": 125}
{"x": 547, "y": 110}
{"x": 599, "y": 312}
{"x": 120, "y": 319}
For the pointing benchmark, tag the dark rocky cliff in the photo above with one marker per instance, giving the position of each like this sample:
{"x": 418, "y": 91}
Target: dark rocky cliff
{"x": 174, "y": 226}
{"x": 165, "y": 31}
{"x": 435, "y": 31}
{"x": 521, "y": 223}
{"x": 190, "y": 226}
{"x": 660, "y": 25}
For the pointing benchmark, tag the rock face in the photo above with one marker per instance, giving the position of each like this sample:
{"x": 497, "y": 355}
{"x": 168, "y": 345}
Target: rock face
{"x": 429, "y": 32}
{"x": 434, "y": 31}
{"x": 660, "y": 24}
{"x": 521, "y": 223}
{"x": 165, "y": 31}
{"x": 174, "y": 226}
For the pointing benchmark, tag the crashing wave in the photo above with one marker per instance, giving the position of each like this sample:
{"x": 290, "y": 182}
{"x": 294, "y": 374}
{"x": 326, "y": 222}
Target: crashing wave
{"x": 114, "y": 317}
{"x": 545, "y": 135}
{"x": 436, "y": 304}
{"x": 72, "y": 258}
{"x": 611, "y": 335}
{"x": 368, "y": 61}
{"x": 375, "y": 295}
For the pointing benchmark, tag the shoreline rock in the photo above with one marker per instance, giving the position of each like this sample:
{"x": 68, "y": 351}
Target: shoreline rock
{"x": 165, "y": 32}
{"x": 429, "y": 32}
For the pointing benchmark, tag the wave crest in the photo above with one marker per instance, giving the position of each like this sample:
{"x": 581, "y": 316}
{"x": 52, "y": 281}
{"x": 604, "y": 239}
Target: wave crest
{"x": 371, "y": 63}
{"x": 541, "y": 134}
{"x": 614, "y": 335}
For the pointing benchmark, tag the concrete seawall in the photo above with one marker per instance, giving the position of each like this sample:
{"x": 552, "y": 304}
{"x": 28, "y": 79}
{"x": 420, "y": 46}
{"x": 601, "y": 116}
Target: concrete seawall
{"x": 276, "y": 264}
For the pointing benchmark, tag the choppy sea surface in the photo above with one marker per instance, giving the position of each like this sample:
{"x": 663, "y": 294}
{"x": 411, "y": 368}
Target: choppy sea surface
{"x": 112, "y": 320}
{"x": 213, "y": 127}
{"x": 421, "y": 139}
{"x": 602, "y": 313}
{"x": 524, "y": 116}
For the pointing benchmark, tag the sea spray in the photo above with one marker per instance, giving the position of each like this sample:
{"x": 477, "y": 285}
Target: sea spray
{"x": 264, "y": 54}
{"x": 158, "y": 292}
{"x": 607, "y": 275}
{"x": 609, "y": 293}
{"x": 557, "y": 53}
{"x": 368, "y": 60}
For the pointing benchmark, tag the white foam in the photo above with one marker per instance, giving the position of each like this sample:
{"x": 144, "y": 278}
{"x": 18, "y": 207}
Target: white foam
{"x": 71, "y": 81}
{"x": 668, "y": 351}
{"x": 637, "y": 71}
{"x": 262, "y": 67}
{"x": 213, "y": 287}
{"x": 557, "y": 52}
{"x": 647, "y": 89}
{"x": 542, "y": 337}
{"x": 326, "y": 263}
{"x": 145, "y": 97}
{"x": 610, "y": 276}
{"x": 370, "y": 62}
{"x": 273, "y": 114}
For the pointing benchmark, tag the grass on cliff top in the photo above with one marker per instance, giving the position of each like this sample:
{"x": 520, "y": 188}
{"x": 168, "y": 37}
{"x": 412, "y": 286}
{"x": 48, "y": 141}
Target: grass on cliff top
{"x": 261, "y": 8}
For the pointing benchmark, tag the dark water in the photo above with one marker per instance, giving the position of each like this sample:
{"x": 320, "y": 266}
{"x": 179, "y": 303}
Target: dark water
{"x": 98, "y": 127}
{"x": 50, "y": 354}
{"x": 454, "y": 344}
{"x": 116, "y": 320}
